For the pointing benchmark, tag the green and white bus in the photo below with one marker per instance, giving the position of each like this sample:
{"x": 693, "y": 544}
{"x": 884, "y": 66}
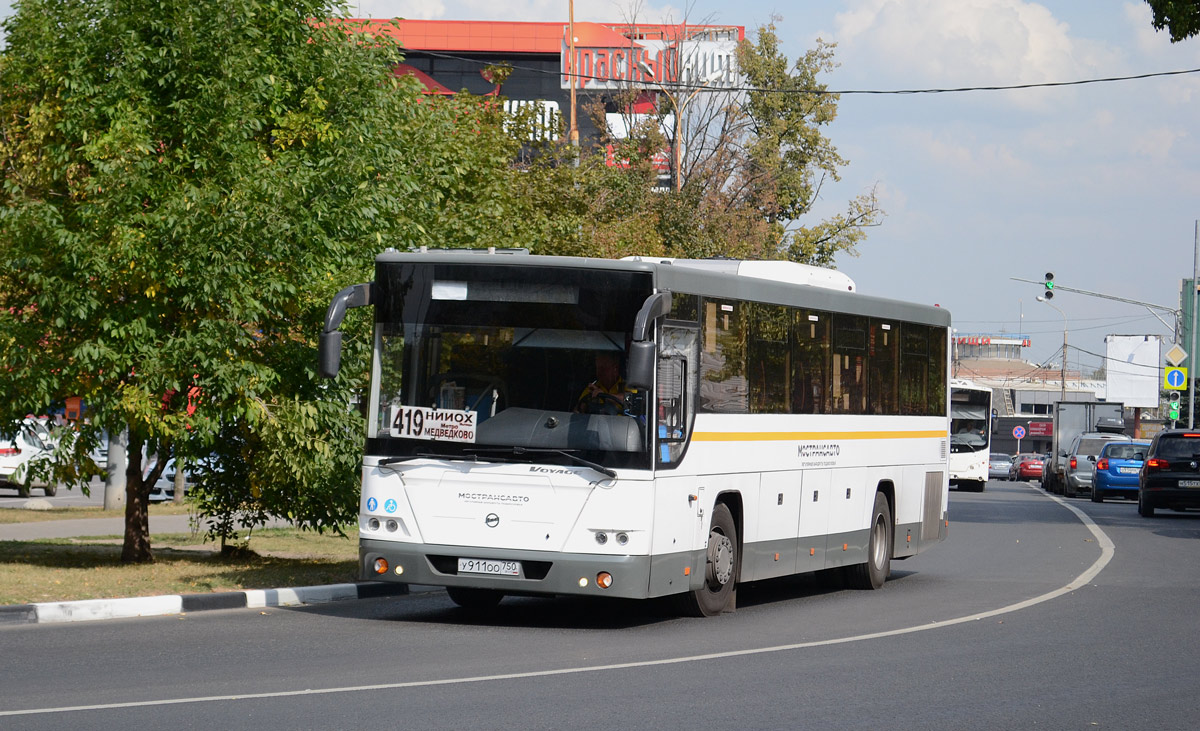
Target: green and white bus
{"x": 771, "y": 421}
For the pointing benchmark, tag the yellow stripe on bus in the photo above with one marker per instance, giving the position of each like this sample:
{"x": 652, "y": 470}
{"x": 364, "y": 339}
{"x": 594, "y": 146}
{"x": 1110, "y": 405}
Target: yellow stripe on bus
{"x": 783, "y": 436}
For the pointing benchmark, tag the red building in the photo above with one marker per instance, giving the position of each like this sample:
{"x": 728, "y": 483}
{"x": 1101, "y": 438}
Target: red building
{"x": 452, "y": 55}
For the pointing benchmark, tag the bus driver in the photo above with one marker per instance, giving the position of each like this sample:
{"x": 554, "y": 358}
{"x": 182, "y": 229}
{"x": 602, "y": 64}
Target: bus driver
{"x": 606, "y": 394}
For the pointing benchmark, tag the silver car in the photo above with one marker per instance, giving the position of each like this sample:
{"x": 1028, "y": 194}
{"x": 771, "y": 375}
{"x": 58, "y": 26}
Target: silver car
{"x": 1081, "y": 460}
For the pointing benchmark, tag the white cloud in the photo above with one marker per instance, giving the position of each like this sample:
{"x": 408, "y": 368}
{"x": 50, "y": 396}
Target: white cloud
{"x": 1155, "y": 145}
{"x": 963, "y": 156}
{"x": 961, "y": 42}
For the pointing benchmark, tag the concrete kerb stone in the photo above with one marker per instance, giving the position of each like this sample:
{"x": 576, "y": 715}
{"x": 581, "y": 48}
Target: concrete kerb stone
{"x": 93, "y": 609}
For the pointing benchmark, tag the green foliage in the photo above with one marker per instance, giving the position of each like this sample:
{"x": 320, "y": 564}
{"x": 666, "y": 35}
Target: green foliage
{"x": 255, "y": 467}
{"x": 185, "y": 185}
{"x": 1180, "y": 17}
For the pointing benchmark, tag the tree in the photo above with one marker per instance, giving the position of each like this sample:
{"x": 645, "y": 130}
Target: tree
{"x": 753, "y": 165}
{"x": 1180, "y": 17}
{"x": 186, "y": 183}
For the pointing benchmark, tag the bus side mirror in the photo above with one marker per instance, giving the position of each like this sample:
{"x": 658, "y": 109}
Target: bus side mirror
{"x": 641, "y": 365}
{"x": 329, "y": 354}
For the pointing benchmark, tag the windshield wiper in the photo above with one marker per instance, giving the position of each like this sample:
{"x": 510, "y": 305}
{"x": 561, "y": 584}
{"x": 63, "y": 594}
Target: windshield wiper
{"x": 472, "y": 456}
{"x": 562, "y": 453}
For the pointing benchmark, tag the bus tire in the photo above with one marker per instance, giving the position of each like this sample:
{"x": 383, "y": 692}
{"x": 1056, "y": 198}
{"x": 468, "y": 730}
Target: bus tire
{"x": 874, "y": 572}
{"x": 721, "y": 566}
{"x": 51, "y": 490}
{"x": 474, "y": 599}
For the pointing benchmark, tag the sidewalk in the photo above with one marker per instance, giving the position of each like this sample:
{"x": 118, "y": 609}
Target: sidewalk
{"x": 90, "y": 609}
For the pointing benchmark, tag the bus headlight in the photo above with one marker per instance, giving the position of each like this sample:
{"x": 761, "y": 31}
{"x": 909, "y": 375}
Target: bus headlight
{"x": 601, "y": 537}
{"x": 373, "y": 523}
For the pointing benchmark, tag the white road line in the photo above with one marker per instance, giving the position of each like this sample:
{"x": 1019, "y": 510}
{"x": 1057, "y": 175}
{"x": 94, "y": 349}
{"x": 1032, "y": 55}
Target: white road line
{"x": 1106, "y": 554}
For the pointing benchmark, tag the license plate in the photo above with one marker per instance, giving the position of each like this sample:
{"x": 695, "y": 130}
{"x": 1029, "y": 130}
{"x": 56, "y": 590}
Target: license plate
{"x": 1128, "y": 470}
{"x": 489, "y": 566}
{"x": 1189, "y": 483}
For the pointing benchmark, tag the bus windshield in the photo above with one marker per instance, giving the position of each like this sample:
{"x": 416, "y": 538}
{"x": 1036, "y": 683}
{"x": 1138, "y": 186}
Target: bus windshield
{"x": 492, "y": 359}
{"x": 968, "y": 426}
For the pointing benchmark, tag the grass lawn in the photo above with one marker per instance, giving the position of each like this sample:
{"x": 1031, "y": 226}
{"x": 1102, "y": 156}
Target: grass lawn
{"x": 69, "y": 569}
{"x": 19, "y": 515}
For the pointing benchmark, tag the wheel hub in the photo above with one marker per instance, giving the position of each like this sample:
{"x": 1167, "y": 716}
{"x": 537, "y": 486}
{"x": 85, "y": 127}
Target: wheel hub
{"x": 720, "y": 558}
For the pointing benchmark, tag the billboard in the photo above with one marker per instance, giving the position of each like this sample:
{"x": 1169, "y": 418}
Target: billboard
{"x": 683, "y": 57}
{"x": 1133, "y": 368}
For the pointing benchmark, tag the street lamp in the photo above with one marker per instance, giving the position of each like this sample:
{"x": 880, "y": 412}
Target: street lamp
{"x": 678, "y": 106}
{"x": 1063, "y": 375}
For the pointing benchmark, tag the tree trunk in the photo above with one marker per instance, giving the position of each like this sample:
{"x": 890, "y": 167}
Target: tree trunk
{"x": 137, "y": 503}
{"x": 180, "y": 480}
{"x": 114, "y": 483}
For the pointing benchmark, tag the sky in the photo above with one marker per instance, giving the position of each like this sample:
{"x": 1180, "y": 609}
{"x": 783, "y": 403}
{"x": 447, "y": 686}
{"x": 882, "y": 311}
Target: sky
{"x": 1097, "y": 183}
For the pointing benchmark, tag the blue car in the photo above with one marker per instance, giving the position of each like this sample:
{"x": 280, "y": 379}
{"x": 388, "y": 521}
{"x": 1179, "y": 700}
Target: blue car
{"x": 1117, "y": 468}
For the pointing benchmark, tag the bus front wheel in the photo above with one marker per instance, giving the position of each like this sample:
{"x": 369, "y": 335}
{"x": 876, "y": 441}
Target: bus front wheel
{"x": 720, "y": 568}
{"x": 874, "y": 572}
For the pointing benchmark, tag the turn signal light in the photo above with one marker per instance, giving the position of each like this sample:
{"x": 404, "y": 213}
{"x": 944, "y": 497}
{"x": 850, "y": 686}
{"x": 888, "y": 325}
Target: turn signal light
{"x": 381, "y": 566}
{"x": 603, "y": 579}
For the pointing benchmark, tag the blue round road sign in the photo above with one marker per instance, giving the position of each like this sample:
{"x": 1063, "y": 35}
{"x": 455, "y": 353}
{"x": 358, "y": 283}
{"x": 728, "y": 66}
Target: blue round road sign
{"x": 1175, "y": 378}
{"x": 1018, "y": 432}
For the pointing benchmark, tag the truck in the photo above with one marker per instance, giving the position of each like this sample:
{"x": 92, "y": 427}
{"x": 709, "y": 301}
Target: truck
{"x": 1072, "y": 418}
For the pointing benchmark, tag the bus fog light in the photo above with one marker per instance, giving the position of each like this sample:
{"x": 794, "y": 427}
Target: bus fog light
{"x": 392, "y": 526}
{"x": 399, "y": 570}
{"x": 373, "y": 523}
{"x": 582, "y": 582}
{"x": 603, "y": 579}
{"x": 622, "y": 538}
{"x": 601, "y": 538}
{"x": 381, "y": 565}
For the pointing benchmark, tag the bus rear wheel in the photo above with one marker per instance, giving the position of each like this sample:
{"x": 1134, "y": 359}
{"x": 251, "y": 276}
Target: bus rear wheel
{"x": 874, "y": 572}
{"x": 474, "y": 599}
{"x": 720, "y": 568}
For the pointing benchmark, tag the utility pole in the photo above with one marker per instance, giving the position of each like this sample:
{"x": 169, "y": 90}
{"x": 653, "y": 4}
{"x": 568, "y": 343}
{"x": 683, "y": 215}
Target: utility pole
{"x": 573, "y": 134}
{"x": 1192, "y": 352}
{"x": 1063, "y": 371}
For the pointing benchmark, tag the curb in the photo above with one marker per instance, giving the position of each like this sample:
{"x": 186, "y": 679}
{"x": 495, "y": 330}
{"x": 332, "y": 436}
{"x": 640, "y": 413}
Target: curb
{"x": 149, "y": 606}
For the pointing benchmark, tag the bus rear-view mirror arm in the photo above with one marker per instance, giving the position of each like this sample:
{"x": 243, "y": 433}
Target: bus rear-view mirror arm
{"x": 329, "y": 347}
{"x": 640, "y": 374}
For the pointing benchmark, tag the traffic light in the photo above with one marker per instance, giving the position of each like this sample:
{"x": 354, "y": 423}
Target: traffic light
{"x": 1049, "y": 285}
{"x": 1173, "y": 407}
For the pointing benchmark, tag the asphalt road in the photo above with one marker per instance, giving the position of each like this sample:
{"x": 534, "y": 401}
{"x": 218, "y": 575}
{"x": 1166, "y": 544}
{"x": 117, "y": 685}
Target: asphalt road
{"x": 1024, "y": 618}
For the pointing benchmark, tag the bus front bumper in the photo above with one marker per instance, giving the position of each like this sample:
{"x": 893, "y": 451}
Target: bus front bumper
{"x": 536, "y": 572}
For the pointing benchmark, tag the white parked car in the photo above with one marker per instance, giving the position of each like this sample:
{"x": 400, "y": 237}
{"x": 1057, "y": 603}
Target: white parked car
{"x": 31, "y": 442}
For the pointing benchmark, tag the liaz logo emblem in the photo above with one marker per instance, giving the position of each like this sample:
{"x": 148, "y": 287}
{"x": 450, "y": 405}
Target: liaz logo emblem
{"x": 492, "y": 520}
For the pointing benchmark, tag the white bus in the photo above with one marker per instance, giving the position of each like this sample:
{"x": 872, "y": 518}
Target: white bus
{"x": 970, "y": 434}
{"x": 773, "y": 421}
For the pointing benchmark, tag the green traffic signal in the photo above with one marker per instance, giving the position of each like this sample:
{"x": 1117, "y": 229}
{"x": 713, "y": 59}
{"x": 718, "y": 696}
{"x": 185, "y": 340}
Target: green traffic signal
{"x": 1049, "y": 284}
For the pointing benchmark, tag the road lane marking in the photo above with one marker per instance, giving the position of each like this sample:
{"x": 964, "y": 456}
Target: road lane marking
{"x": 1106, "y": 553}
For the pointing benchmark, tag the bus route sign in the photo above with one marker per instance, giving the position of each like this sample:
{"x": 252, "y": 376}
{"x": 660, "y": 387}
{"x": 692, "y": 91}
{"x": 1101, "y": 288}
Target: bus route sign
{"x": 445, "y": 425}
